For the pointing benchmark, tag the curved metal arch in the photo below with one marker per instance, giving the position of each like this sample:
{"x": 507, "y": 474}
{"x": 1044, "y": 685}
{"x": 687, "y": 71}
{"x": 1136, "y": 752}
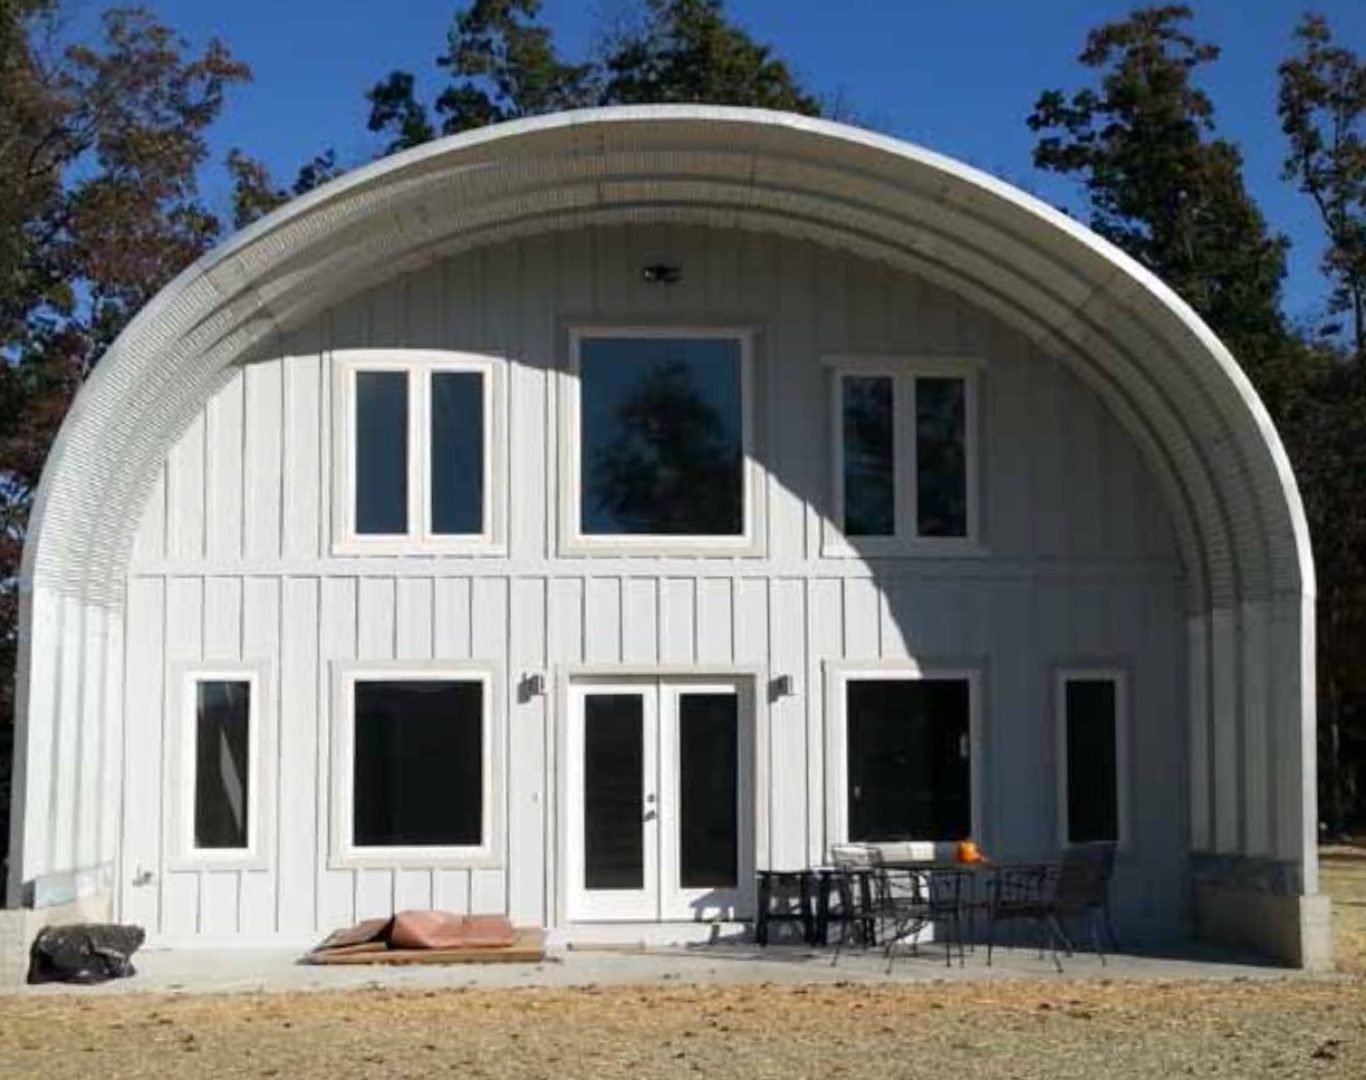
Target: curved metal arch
{"x": 1167, "y": 377}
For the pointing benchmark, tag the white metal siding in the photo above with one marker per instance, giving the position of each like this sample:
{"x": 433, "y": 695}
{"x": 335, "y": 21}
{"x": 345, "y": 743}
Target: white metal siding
{"x": 231, "y": 562}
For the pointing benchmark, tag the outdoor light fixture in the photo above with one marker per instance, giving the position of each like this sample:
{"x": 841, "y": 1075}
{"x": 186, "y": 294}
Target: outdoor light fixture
{"x": 531, "y": 686}
{"x": 661, "y": 274}
{"x": 780, "y": 687}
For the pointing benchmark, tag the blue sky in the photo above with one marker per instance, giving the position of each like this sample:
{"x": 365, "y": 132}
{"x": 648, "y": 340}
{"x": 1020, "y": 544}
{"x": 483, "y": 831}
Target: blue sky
{"x": 958, "y": 77}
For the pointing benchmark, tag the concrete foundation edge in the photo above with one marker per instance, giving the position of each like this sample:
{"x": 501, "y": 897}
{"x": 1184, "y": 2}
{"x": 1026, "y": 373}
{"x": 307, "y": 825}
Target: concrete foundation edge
{"x": 19, "y": 926}
{"x": 1293, "y": 930}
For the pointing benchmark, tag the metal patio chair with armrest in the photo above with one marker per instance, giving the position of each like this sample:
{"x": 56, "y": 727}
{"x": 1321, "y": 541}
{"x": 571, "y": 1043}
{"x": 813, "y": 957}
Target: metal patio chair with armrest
{"x": 1076, "y": 888}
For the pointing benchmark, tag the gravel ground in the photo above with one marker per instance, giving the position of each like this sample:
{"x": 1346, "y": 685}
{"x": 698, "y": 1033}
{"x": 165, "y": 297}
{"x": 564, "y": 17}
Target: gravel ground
{"x": 1291, "y": 1027}
{"x": 1285, "y": 1028}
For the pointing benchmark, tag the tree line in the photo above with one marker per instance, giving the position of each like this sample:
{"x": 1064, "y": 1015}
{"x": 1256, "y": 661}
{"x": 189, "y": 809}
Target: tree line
{"x": 104, "y": 142}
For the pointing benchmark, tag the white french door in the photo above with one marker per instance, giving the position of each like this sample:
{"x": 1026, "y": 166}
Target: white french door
{"x": 660, "y": 800}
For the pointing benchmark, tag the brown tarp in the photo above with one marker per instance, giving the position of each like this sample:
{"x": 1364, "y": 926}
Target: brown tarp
{"x": 425, "y": 930}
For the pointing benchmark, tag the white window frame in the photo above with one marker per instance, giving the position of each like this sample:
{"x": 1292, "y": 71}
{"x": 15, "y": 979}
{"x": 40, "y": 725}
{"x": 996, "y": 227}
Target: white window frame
{"x": 573, "y": 541}
{"x": 904, "y": 371}
{"x": 419, "y": 365}
{"x": 184, "y": 854}
{"x": 343, "y": 852}
{"x": 837, "y": 678}
{"x": 1120, "y": 678}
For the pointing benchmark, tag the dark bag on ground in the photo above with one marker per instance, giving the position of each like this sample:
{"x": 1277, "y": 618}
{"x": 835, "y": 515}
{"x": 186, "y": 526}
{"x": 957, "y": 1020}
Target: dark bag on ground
{"x": 92, "y": 953}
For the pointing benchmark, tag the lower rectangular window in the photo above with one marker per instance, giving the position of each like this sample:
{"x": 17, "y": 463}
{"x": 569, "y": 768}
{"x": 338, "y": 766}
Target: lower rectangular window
{"x": 418, "y": 763}
{"x": 908, "y": 758}
{"x": 1091, "y": 745}
{"x": 222, "y": 764}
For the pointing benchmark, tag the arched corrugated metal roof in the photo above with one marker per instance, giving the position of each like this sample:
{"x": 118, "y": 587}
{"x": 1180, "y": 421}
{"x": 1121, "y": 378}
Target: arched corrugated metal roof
{"x": 1165, "y": 375}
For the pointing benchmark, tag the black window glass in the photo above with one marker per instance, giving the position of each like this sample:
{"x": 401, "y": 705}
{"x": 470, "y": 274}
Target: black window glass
{"x": 662, "y": 437}
{"x": 908, "y": 759}
{"x": 941, "y": 457}
{"x": 1092, "y": 795}
{"x": 418, "y": 770}
{"x": 222, "y": 779}
{"x": 381, "y": 452}
{"x": 457, "y": 452}
{"x": 708, "y": 829}
{"x": 869, "y": 446}
{"x": 613, "y": 791}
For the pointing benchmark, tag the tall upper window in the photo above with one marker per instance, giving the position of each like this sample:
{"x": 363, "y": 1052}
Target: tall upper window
{"x": 658, "y": 440}
{"x": 417, "y": 456}
{"x": 1091, "y": 756}
{"x": 904, "y": 457}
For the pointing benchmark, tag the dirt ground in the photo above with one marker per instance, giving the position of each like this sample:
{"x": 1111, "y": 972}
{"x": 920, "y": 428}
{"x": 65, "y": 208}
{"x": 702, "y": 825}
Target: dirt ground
{"x": 1290, "y": 1027}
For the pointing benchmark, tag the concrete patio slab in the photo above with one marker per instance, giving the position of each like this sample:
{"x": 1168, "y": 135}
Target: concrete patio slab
{"x": 205, "y": 971}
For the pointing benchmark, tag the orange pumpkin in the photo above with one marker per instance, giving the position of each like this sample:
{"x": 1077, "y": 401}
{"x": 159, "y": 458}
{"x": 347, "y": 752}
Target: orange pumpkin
{"x": 967, "y": 852}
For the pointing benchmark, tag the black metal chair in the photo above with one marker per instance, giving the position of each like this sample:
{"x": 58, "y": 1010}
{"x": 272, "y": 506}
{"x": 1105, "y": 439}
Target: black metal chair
{"x": 890, "y": 905}
{"x": 1077, "y": 888}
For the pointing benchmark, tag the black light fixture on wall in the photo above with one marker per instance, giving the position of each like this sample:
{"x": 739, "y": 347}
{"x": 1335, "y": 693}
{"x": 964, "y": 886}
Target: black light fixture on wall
{"x": 661, "y": 274}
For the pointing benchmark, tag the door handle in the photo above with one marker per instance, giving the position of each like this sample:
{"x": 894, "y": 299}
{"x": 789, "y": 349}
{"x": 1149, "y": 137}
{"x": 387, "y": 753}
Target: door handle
{"x": 649, "y": 815}
{"x": 650, "y": 798}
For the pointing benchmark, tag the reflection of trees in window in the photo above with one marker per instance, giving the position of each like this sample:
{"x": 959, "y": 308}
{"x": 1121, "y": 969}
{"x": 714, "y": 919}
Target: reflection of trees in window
{"x": 670, "y": 465}
{"x": 941, "y": 457}
{"x": 869, "y": 473}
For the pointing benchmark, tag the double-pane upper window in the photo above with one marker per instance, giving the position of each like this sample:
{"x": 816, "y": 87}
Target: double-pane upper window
{"x": 417, "y": 454}
{"x": 904, "y": 454}
{"x": 658, "y": 439}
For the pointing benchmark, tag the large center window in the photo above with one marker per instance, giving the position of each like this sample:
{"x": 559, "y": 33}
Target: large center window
{"x": 660, "y": 439}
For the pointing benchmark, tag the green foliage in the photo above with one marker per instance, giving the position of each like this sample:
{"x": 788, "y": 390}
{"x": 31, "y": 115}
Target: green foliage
{"x": 1162, "y": 187}
{"x": 687, "y": 51}
{"x": 503, "y": 64}
{"x": 1323, "y": 113}
{"x": 254, "y": 194}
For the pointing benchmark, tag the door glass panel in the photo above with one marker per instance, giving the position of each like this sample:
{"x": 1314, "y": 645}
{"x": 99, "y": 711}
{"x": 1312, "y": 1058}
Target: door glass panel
{"x": 909, "y": 767}
{"x": 382, "y": 452}
{"x": 941, "y": 457}
{"x": 1092, "y": 796}
{"x": 662, "y": 437}
{"x": 869, "y": 480}
{"x": 708, "y": 830}
{"x": 457, "y": 452}
{"x": 222, "y": 780}
{"x": 418, "y": 770}
{"x": 613, "y": 791}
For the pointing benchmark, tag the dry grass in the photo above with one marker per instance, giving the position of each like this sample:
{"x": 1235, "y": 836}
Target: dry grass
{"x": 1289, "y": 1027}
{"x": 1344, "y": 879}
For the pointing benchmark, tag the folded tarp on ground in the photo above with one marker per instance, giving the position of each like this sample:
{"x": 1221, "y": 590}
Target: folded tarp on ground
{"x": 429, "y": 937}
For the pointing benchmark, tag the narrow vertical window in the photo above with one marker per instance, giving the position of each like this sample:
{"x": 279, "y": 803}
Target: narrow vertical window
{"x": 1091, "y": 741}
{"x": 867, "y": 414}
{"x": 457, "y": 452}
{"x": 381, "y": 437}
{"x": 222, "y": 754}
{"x": 941, "y": 457}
